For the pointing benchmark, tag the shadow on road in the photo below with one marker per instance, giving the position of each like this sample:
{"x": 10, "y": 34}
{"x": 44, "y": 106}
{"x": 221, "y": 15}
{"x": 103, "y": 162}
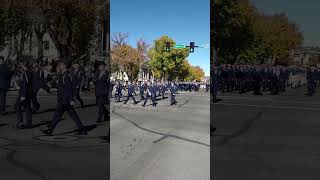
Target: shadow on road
{"x": 88, "y": 128}
{"x": 4, "y": 124}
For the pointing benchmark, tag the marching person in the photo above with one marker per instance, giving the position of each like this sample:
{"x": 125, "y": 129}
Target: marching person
{"x": 131, "y": 89}
{"x": 37, "y": 83}
{"x": 24, "y": 97}
{"x": 102, "y": 82}
{"x": 5, "y": 78}
{"x": 142, "y": 89}
{"x": 77, "y": 78}
{"x": 173, "y": 89}
{"x": 119, "y": 89}
{"x": 65, "y": 102}
{"x": 148, "y": 94}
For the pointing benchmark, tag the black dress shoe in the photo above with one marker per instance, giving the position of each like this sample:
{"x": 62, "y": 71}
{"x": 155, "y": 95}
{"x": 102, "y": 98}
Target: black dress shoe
{"x": 47, "y": 132}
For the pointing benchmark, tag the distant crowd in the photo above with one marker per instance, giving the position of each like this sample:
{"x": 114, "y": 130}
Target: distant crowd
{"x": 263, "y": 78}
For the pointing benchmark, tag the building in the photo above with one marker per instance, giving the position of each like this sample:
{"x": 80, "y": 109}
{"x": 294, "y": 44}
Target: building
{"x": 306, "y": 55}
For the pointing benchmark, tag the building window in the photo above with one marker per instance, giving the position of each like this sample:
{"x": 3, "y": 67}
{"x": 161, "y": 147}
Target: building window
{"x": 45, "y": 45}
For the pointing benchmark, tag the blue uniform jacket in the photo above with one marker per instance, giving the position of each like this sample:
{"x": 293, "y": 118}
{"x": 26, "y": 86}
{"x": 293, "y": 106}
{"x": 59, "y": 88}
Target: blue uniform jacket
{"x": 65, "y": 89}
{"x": 102, "y": 84}
{"x": 5, "y": 76}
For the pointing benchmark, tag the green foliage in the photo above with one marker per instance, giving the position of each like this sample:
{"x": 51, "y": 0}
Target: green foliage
{"x": 167, "y": 64}
{"x": 243, "y": 35}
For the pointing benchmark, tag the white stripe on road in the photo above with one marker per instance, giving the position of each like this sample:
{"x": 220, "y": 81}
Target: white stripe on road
{"x": 268, "y": 99}
{"x": 263, "y": 106}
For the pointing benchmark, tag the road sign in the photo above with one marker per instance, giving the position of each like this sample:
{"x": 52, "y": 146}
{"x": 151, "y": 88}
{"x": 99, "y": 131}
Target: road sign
{"x": 179, "y": 46}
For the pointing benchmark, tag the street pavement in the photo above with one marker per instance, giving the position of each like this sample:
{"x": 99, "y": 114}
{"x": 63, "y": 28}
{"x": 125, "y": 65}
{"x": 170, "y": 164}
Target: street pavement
{"x": 163, "y": 142}
{"x": 266, "y": 137}
{"x": 27, "y": 154}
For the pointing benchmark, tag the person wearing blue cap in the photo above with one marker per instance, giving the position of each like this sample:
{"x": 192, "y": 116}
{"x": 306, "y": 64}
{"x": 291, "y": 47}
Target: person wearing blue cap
{"x": 65, "y": 101}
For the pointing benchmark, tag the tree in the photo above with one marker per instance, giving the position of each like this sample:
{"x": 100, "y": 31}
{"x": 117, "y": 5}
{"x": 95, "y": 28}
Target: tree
{"x": 126, "y": 59}
{"x": 167, "y": 64}
{"x": 70, "y": 25}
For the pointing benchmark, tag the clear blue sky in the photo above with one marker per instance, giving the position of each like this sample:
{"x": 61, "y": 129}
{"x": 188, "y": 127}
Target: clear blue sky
{"x": 305, "y": 13}
{"x": 182, "y": 20}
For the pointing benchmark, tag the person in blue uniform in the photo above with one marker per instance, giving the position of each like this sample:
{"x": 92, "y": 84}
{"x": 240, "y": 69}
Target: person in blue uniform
{"x": 37, "y": 83}
{"x": 148, "y": 93}
{"x": 163, "y": 90}
{"x": 142, "y": 87}
{"x": 154, "y": 93}
{"x": 173, "y": 89}
{"x": 102, "y": 82}
{"x": 24, "y": 97}
{"x": 131, "y": 89}
{"x": 5, "y": 78}
{"x": 311, "y": 81}
{"x": 77, "y": 78}
{"x": 119, "y": 89}
{"x": 65, "y": 101}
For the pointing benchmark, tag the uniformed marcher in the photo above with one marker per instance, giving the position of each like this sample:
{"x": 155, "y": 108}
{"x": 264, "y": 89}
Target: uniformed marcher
{"x": 131, "y": 89}
{"x": 102, "y": 82}
{"x": 77, "y": 78}
{"x": 119, "y": 89}
{"x": 173, "y": 89}
{"x": 5, "y": 78}
{"x": 24, "y": 97}
{"x": 142, "y": 86}
{"x": 37, "y": 83}
{"x": 65, "y": 102}
{"x": 154, "y": 93}
{"x": 148, "y": 93}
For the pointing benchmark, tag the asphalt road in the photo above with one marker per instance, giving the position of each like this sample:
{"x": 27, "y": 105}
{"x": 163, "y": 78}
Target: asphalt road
{"x": 27, "y": 154}
{"x": 161, "y": 143}
{"x": 266, "y": 137}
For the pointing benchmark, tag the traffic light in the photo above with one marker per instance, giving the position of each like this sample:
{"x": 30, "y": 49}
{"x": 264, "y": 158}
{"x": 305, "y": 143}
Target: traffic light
{"x": 168, "y": 45}
{"x": 191, "y": 47}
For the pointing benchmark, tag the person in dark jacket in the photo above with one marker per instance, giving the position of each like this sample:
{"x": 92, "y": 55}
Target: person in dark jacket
{"x": 102, "y": 82}
{"x": 37, "y": 83}
{"x": 173, "y": 90}
{"x": 66, "y": 101}
{"x": 5, "y": 78}
{"x": 24, "y": 97}
{"x": 77, "y": 78}
{"x": 131, "y": 89}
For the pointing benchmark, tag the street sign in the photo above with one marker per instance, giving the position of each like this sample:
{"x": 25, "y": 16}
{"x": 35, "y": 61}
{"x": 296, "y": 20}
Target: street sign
{"x": 179, "y": 46}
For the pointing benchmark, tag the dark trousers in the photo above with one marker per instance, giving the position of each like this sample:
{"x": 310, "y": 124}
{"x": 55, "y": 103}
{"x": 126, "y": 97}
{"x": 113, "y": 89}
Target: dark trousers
{"x": 77, "y": 96}
{"x": 152, "y": 97}
{"x": 173, "y": 99}
{"x": 128, "y": 97}
{"x": 26, "y": 105}
{"x": 35, "y": 103}
{"x": 3, "y": 97}
{"x": 60, "y": 110}
{"x": 118, "y": 96}
{"x": 141, "y": 96}
{"x": 102, "y": 111}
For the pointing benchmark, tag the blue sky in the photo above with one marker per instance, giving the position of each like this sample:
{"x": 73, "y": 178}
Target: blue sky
{"x": 305, "y": 13}
{"x": 182, "y": 20}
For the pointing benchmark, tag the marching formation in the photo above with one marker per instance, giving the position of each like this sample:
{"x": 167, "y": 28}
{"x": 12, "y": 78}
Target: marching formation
{"x": 69, "y": 80}
{"x": 257, "y": 78}
{"x": 152, "y": 89}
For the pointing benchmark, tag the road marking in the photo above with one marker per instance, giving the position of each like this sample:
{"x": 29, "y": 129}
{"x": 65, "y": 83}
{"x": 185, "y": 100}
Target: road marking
{"x": 263, "y": 106}
{"x": 269, "y": 99}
